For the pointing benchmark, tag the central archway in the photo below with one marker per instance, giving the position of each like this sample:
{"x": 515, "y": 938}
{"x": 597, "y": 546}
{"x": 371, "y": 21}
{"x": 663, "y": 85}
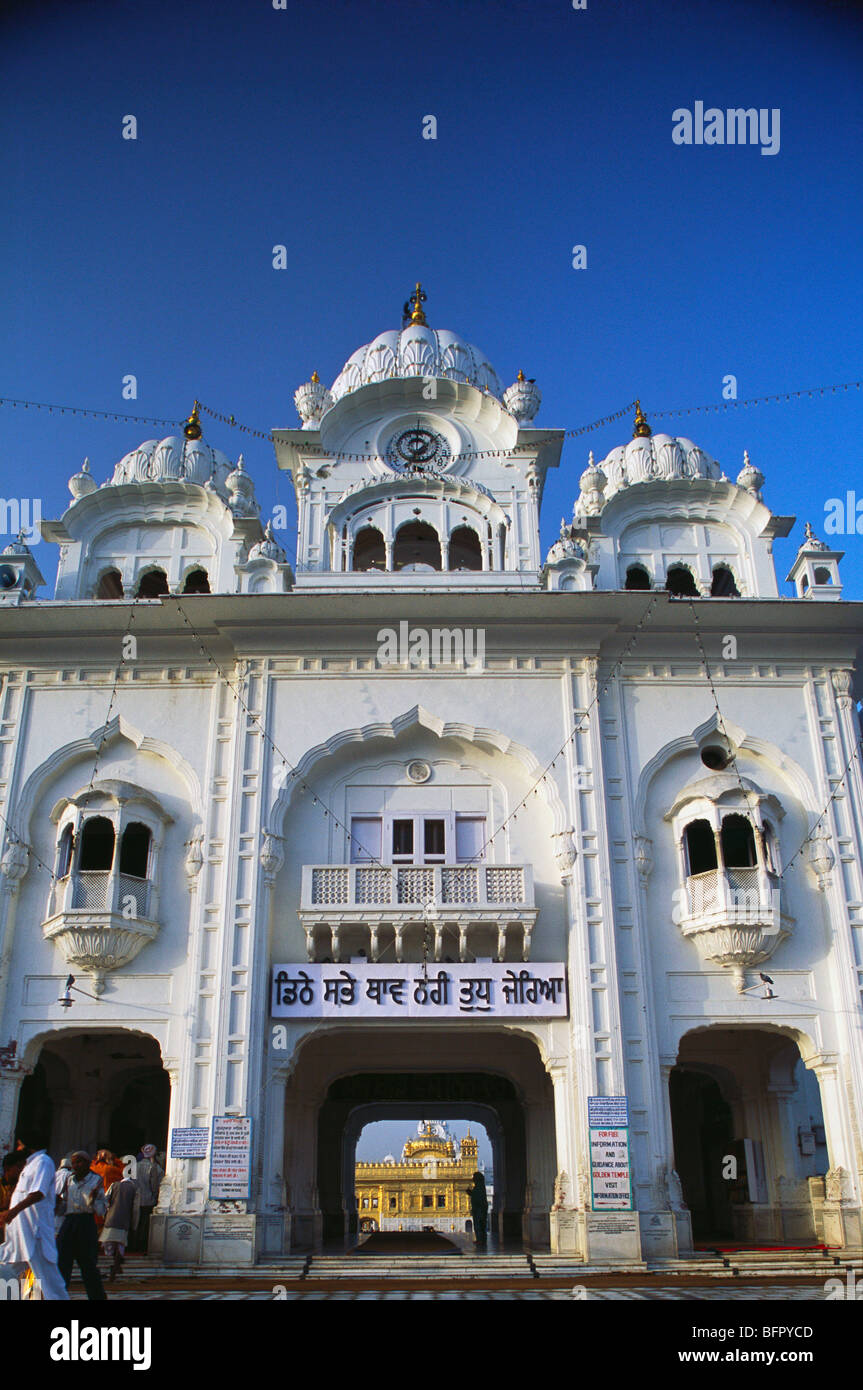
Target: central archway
{"x": 482, "y": 1097}
{"x": 345, "y": 1076}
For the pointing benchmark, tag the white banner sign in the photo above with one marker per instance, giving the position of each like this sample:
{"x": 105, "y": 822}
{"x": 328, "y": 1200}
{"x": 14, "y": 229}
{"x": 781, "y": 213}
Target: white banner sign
{"x": 609, "y": 1169}
{"x": 231, "y": 1157}
{"x": 407, "y": 991}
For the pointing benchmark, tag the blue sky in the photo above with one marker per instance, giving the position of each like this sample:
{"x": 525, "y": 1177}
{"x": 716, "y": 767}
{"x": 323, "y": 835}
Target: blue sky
{"x": 302, "y": 127}
{"x": 385, "y": 1137}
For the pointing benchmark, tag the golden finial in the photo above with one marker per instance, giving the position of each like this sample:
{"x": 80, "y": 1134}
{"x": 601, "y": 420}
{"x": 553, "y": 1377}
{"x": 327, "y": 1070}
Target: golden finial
{"x": 192, "y": 427}
{"x": 417, "y": 315}
{"x": 642, "y": 429}
{"x": 315, "y": 377}
{"x": 521, "y": 376}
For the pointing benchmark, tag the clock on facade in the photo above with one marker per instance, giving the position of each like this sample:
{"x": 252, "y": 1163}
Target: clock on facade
{"x": 417, "y": 450}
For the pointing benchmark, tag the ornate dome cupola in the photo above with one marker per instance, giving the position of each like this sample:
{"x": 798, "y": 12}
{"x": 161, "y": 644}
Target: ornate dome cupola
{"x": 416, "y": 350}
{"x": 176, "y": 516}
{"x": 83, "y": 483}
{"x": 312, "y": 400}
{"x": 662, "y": 514}
{"x": 241, "y": 491}
{"x": 417, "y": 463}
{"x": 523, "y": 399}
{"x": 265, "y": 569}
{"x": 815, "y": 572}
{"x": 566, "y": 564}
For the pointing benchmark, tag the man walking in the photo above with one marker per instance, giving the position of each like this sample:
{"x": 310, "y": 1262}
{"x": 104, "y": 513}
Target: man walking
{"x": 124, "y": 1206}
{"x": 84, "y": 1199}
{"x": 148, "y": 1178}
{"x": 29, "y": 1220}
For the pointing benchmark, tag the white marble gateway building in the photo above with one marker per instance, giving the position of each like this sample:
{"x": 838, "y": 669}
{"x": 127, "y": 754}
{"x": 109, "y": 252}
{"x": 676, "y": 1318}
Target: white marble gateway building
{"x": 433, "y": 823}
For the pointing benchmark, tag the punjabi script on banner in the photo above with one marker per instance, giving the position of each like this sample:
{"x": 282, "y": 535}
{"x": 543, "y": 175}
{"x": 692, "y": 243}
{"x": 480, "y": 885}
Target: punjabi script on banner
{"x": 476, "y": 990}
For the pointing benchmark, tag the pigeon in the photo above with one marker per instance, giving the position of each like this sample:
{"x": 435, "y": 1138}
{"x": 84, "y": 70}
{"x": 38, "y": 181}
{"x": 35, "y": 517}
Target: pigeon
{"x": 766, "y": 978}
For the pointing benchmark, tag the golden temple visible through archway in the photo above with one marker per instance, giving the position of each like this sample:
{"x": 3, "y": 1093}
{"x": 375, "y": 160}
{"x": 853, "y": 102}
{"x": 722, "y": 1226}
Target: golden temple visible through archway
{"x": 426, "y": 1190}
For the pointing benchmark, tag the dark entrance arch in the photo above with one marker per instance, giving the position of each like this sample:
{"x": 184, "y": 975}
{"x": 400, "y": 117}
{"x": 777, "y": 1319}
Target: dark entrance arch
{"x": 98, "y": 1089}
{"x": 749, "y": 1142}
{"x": 703, "y": 1136}
{"x": 345, "y": 1075}
{"x": 471, "y": 1095}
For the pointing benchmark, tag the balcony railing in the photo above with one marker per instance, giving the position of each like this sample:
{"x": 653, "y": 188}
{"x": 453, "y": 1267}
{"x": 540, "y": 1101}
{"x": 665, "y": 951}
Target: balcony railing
{"x": 454, "y": 899}
{"x": 732, "y": 897}
{"x": 733, "y": 917}
{"x": 101, "y": 919}
{"x": 91, "y": 890}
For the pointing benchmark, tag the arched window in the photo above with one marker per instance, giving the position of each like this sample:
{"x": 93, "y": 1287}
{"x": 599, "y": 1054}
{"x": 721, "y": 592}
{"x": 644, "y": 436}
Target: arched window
{"x": 417, "y": 547}
{"x": 822, "y": 575}
{"x": 196, "y": 582}
{"x": 152, "y": 584}
{"x": 637, "y": 578}
{"x": 738, "y": 842}
{"x": 110, "y": 585}
{"x": 135, "y": 850}
{"x": 369, "y": 550}
{"x": 465, "y": 552}
{"x": 64, "y": 852}
{"x": 723, "y": 585}
{"x": 97, "y": 844}
{"x": 681, "y": 582}
{"x": 700, "y": 847}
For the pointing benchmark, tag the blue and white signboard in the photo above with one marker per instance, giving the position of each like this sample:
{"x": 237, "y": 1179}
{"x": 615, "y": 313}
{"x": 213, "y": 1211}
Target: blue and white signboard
{"x": 610, "y": 1176}
{"x": 607, "y": 1111}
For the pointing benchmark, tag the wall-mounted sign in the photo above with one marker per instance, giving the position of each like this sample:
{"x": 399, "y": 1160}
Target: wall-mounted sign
{"x": 190, "y": 1143}
{"x": 609, "y": 1170}
{"x": 231, "y": 1157}
{"x": 607, "y": 1111}
{"x": 408, "y": 991}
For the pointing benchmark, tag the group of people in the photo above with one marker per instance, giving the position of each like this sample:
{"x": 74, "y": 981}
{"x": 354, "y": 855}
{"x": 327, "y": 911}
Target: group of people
{"x": 54, "y": 1219}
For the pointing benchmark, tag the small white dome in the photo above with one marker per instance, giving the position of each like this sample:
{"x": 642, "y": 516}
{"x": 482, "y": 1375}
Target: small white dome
{"x": 417, "y": 351}
{"x": 659, "y": 457}
{"x": 268, "y": 548}
{"x": 173, "y": 459}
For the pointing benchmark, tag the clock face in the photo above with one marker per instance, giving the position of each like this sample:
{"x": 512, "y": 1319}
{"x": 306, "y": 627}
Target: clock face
{"x": 416, "y": 450}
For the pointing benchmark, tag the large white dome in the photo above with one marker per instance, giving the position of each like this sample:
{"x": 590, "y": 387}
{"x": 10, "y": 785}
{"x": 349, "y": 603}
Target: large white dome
{"x": 417, "y": 351}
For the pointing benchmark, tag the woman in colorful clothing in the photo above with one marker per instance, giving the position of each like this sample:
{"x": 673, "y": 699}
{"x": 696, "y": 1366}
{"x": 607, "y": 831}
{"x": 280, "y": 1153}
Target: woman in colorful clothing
{"x": 110, "y": 1170}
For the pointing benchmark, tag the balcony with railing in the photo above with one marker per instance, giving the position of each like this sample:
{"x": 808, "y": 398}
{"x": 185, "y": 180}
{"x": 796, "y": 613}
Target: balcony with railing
{"x": 100, "y": 919}
{"x": 734, "y": 916}
{"x": 400, "y": 911}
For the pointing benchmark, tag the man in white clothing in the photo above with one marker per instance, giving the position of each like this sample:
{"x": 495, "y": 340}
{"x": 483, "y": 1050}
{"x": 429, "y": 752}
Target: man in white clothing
{"x": 29, "y": 1222}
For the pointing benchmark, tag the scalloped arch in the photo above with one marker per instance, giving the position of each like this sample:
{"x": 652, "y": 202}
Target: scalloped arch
{"x": 418, "y": 717}
{"x": 41, "y": 1035}
{"x": 117, "y": 728}
{"x": 809, "y": 1049}
{"x": 688, "y": 743}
